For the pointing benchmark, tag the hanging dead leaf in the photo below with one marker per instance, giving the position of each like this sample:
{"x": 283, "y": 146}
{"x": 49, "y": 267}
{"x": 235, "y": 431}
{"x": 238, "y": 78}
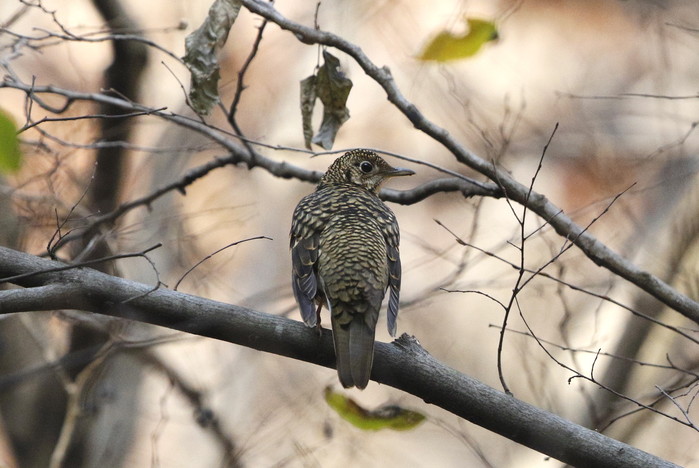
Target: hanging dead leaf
{"x": 201, "y": 48}
{"x": 308, "y": 102}
{"x": 332, "y": 87}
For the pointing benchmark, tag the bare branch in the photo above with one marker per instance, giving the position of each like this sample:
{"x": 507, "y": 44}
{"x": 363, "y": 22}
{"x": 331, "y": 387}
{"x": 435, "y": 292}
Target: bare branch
{"x": 237, "y": 154}
{"x": 232, "y": 244}
{"x": 591, "y": 378}
{"x": 564, "y": 226}
{"x": 419, "y": 193}
{"x": 96, "y": 261}
{"x": 402, "y": 364}
{"x": 571, "y": 286}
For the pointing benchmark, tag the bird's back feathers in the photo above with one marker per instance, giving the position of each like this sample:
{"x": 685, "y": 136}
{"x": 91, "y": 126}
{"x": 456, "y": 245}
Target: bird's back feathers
{"x": 344, "y": 251}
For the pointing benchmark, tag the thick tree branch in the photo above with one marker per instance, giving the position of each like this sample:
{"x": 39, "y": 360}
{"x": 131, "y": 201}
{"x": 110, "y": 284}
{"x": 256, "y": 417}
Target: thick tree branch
{"x": 402, "y": 364}
{"x": 564, "y": 226}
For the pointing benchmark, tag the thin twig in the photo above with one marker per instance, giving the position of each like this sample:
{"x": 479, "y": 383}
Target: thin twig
{"x": 214, "y": 253}
{"x": 573, "y": 287}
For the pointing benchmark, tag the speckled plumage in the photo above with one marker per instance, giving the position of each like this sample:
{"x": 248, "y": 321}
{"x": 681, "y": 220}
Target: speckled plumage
{"x": 344, "y": 250}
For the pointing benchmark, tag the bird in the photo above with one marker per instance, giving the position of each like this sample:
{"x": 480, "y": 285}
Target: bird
{"x": 344, "y": 254}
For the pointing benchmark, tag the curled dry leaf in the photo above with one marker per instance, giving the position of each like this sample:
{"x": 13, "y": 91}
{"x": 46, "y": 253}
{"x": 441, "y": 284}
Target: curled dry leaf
{"x": 201, "y": 48}
{"x": 331, "y": 85}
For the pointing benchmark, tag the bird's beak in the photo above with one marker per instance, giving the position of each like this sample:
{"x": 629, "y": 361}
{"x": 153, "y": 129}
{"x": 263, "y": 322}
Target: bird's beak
{"x": 398, "y": 171}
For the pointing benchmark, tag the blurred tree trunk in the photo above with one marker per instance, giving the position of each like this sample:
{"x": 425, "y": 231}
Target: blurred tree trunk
{"x": 122, "y": 78}
{"x": 663, "y": 211}
{"x": 31, "y": 403}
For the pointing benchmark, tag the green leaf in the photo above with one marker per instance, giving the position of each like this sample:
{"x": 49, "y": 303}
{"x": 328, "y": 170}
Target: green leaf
{"x": 201, "y": 48}
{"x": 447, "y": 46}
{"x": 332, "y": 87}
{"x": 384, "y": 417}
{"x": 10, "y": 155}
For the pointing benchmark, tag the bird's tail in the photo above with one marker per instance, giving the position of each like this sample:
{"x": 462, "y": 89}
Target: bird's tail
{"x": 354, "y": 350}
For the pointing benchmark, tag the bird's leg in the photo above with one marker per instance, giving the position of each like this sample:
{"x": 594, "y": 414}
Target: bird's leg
{"x": 318, "y": 327}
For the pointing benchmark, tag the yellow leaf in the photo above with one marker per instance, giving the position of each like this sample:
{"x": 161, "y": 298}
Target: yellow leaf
{"x": 384, "y": 417}
{"x": 447, "y": 46}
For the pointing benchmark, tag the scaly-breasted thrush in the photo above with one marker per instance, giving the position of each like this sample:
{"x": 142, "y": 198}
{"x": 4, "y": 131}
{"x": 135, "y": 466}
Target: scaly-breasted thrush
{"x": 344, "y": 251}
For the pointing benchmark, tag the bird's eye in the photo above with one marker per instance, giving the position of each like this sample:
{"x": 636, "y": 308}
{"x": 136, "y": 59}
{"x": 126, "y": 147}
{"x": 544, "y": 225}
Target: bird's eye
{"x": 366, "y": 167}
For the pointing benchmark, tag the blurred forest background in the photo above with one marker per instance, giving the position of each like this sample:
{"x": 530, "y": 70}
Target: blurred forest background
{"x": 621, "y": 80}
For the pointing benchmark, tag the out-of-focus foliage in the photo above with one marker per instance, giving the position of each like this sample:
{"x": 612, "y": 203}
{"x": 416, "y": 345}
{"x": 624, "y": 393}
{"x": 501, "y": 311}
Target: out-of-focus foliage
{"x": 448, "y": 46}
{"x": 331, "y": 85}
{"x": 201, "y": 48}
{"x": 10, "y": 155}
{"x": 384, "y": 417}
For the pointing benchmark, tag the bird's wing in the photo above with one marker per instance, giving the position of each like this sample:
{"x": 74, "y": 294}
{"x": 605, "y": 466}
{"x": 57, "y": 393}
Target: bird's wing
{"x": 392, "y": 236}
{"x": 305, "y": 240}
{"x": 394, "y": 272}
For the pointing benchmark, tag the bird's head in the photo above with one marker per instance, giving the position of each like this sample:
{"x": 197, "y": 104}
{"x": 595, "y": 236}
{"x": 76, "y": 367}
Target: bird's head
{"x": 361, "y": 167}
